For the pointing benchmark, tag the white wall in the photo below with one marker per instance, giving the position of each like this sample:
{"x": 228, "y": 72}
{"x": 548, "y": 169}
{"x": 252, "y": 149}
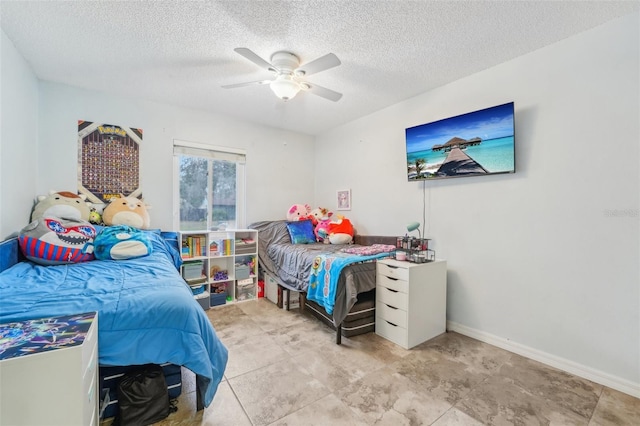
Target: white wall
{"x": 18, "y": 137}
{"x": 537, "y": 262}
{"x": 271, "y": 186}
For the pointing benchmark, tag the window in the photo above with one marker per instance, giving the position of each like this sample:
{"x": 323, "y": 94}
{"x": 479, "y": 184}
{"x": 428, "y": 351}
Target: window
{"x": 209, "y": 186}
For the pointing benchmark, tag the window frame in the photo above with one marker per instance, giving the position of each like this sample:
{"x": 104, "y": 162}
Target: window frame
{"x": 210, "y": 152}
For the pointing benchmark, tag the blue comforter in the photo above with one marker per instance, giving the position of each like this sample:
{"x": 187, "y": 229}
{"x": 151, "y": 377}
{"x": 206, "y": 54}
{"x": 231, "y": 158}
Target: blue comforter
{"x": 146, "y": 312}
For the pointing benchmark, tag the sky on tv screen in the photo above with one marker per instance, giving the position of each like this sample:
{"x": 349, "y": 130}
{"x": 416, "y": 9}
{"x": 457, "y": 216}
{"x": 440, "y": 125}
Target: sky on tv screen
{"x": 490, "y": 123}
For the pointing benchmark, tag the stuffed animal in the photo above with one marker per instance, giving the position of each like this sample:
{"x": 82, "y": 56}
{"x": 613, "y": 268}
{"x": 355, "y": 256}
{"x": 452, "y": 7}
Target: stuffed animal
{"x": 320, "y": 213}
{"x": 126, "y": 211}
{"x": 340, "y": 231}
{"x": 298, "y": 212}
{"x": 52, "y": 241}
{"x": 95, "y": 217}
{"x": 61, "y": 204}
{"x": 322, "y": 230}
{"x": 121, "y": 242}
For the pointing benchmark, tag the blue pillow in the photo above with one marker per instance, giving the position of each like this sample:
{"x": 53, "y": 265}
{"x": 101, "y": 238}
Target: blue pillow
{"x": 301, "y": 232}
{"x": 121, "y": 242}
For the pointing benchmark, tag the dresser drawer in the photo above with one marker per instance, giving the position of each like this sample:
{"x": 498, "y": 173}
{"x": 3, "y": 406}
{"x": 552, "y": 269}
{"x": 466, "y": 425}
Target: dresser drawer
{"x": 91, "y": 405}
{"x": 63, "y": 379}
{"x": 90, "y": 344}
{"x": 392, "y": 297}
{"x": 393, "y": 271}
{"x": 392, "y": 332}
{"x": 392, "y": 283}
{"x": 391, "y": 314}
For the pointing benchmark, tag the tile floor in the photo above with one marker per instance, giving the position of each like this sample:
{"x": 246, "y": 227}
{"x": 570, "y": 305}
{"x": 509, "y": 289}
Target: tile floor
{"x": 285, "y": 369}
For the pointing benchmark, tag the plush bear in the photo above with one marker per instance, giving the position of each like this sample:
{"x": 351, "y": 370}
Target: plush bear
{"x": 129, "y": 211}
{"x": 340, "y": 231}
{"x": 298, "y": 212}
{"x": 62, "y": 204}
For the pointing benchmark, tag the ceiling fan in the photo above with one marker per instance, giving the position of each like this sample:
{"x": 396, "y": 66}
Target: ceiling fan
{"x": 289, "y": 74}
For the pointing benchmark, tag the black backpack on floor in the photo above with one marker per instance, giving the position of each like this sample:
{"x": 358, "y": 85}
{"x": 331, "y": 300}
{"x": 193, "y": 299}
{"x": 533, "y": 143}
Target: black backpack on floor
{"x": 143, "y": 398}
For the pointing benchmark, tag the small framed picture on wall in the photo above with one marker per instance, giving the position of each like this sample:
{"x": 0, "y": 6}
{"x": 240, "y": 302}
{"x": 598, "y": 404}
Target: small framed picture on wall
{"x": 343, "y": 198}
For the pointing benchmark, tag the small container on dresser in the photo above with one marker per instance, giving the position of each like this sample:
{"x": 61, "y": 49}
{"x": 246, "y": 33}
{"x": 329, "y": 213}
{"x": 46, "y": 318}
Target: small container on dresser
{"x": 49, "y": 371}
{"x": 411, "y": 301}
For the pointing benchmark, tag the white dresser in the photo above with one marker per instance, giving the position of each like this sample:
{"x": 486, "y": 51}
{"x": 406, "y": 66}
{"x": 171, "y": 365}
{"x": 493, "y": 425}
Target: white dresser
{"x": 411, "y": 301}
{"x": 48, "y": 371}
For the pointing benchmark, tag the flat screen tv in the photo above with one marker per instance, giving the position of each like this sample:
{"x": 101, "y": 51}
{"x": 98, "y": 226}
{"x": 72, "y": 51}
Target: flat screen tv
{"x": 478, "y": 143}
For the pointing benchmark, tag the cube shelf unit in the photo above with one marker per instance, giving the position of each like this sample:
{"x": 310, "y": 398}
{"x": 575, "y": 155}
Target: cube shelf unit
{"x": 220, "y": 266}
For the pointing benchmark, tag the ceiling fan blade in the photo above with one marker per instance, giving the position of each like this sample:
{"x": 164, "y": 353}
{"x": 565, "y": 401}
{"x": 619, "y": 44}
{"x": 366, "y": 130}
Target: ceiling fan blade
{"x": 323, "y": 63}
{"x": 247, "y": 53}
{"x": 322, "y": 91}
{"x": 249, "y": 83}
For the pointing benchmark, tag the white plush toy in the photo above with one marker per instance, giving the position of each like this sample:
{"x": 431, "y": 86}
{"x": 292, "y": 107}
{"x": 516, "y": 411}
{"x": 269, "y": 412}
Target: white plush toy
{"x": 62, "y": 204}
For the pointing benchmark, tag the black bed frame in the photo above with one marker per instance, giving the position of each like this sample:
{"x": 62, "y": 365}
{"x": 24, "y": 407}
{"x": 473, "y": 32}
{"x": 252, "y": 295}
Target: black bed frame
{"x": 362, "y": 307}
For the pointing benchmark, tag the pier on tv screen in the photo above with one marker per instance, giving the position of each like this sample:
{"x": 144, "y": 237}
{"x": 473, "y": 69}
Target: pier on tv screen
{"x": 478, "y": 143}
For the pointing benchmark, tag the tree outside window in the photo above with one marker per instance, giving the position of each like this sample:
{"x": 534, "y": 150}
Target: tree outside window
{"x": 208, "y": 193}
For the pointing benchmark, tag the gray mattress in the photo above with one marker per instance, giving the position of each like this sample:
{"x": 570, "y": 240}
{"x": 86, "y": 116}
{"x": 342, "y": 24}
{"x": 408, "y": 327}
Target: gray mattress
{"x": 291, "y": 264}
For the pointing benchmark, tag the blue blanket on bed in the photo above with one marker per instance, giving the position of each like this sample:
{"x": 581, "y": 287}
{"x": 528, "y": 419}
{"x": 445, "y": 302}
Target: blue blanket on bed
{"x": 146, "y": 312}
{"x": 325, "y": 272}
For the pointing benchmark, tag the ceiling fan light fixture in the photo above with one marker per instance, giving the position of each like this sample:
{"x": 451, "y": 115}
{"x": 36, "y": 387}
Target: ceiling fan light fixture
{"x": 284, "y": 87}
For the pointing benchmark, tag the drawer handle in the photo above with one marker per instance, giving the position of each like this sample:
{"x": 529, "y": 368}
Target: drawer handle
{"x": 390, "y": 323}
{"x": 392, "y": 307}
{"x": 392, "y": 267}
{"x": 393, "y": 291}
{"x": 392, "y": 279}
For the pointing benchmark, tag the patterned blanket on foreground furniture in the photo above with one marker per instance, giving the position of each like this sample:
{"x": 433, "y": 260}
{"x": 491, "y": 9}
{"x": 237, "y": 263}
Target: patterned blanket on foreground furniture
{"x": 147, "y": 313}
{"x": 291, "y": 265}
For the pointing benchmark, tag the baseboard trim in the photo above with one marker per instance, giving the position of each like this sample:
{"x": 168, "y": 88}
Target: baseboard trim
{"x": 563, "y": 364}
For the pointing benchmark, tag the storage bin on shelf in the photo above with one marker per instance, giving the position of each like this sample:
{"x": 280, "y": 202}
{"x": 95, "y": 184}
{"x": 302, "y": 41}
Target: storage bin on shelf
{"x": 242, "y": 272}
{"x": 218, "y": 298}
{"x": 204, "y": 301}
{"x": 245, "y": 289}
{"x": 192, "y": 270}
{"x": 198, "y": 290}
{"x": 219, "y": 293}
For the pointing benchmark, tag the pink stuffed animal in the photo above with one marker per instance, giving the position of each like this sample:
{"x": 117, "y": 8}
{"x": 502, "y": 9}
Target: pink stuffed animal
{"x": 298, "y": 212}
{"x": 322, "y": 230}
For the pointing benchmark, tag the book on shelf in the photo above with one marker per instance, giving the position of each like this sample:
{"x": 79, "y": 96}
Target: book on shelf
{"x": 220, "y": 247}
{"x": 194, "y": 246}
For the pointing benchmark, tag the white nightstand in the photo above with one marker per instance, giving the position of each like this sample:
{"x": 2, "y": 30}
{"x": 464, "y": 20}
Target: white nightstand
{"x": 49, "y": 371}
{"x": 411, "y": 301}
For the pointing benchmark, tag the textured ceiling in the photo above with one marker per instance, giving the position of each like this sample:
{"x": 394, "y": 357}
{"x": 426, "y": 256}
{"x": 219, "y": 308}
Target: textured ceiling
{"x": 181, "y": 52}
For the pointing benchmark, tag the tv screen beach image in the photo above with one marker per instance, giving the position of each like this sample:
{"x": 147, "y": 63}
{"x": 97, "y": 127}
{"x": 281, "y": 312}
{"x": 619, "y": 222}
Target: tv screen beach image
{"x": 472, "y": 144}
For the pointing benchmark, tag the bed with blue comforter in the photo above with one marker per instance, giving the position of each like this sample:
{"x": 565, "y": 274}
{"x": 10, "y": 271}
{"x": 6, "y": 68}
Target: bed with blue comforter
{"x": 147, "y": 313}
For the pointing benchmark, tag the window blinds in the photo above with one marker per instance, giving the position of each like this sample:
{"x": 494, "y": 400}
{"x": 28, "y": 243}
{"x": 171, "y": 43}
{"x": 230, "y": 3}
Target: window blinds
{"x": 194, "y": 149}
